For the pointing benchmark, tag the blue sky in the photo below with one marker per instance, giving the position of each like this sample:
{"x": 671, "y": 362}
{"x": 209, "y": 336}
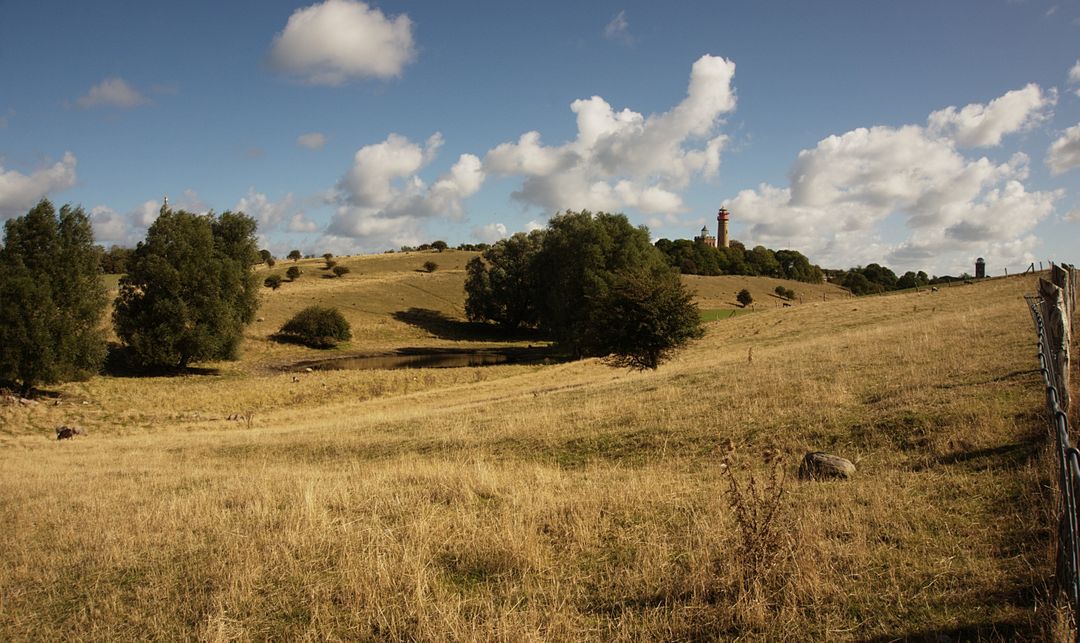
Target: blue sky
{"x": 915, "y": 134}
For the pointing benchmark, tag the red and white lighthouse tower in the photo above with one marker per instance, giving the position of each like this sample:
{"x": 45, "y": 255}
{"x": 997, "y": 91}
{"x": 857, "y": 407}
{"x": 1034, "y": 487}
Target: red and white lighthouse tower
{"x": 721, "y": 229}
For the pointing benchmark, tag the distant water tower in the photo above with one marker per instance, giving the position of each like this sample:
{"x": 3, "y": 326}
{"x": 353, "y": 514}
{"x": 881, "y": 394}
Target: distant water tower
{"x": 980, "y": 268}
{"x": 721, "y": 229}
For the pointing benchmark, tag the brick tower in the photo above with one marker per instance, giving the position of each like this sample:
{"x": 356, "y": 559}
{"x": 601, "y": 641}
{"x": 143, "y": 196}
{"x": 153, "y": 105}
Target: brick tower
{"x": 721, "y": 229}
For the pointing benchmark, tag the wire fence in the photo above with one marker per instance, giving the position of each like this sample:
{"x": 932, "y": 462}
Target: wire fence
{"x": 1052, "y": 310}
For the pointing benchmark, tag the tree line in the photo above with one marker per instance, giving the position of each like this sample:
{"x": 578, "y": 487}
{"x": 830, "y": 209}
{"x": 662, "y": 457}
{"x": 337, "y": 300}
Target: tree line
{"x": 592, "y": 282}
{"x": 874, "y": 278}
{"x": 186, "y": 295}
{"x": 696, "y": 258}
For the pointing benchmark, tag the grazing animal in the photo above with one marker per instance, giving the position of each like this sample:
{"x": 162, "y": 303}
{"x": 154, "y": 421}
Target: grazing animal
{"x": 933, "y": 288}
{"x": 64, "y": 433}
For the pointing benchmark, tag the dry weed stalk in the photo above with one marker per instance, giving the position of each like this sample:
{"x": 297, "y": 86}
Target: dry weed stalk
{"x": 764, "y": 539}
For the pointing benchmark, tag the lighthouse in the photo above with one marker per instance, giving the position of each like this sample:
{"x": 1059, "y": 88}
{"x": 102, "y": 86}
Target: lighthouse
{"x": 721, "y": 229}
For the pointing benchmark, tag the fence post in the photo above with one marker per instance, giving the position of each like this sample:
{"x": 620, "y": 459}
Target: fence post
{"x": 1055, "y": 314}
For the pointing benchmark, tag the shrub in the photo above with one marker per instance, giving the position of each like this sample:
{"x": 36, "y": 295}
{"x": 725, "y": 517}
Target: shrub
{"x": 430, "y": 266}
{"x": 273, "y": 282}
{"x": 341, "y": 271}
{"x": 293, "y": 273}
{"x": 317, "y": 326}
{"x": 785, "y": 293}
{"x": 330, "y": 263}
{"x": 744, "y": 298}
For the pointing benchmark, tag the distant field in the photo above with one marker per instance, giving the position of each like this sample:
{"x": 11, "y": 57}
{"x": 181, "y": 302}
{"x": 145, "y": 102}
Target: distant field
{"x": 562, "y": 502}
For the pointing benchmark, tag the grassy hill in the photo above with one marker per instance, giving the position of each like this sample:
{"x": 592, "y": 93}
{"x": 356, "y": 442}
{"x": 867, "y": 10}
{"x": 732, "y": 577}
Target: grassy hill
{"x": 560, "y": 502}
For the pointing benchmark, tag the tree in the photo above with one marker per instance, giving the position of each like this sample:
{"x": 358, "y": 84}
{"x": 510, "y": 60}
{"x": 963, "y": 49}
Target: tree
{"x": 576, "y": 280}
{"x": 647, "y": 316}
{"x": 190, "y": 290}
{"x": 51, "y": 298}
{"x": 341, "y": 271}
{"x": 273, "y": 282}
{"x": 114, "y": 260}
{"x": 317, "y": 326}
{"x": 265, "y": 256}
{"x": 430, "y": 266}
{"x": 293, "y": 273}
{"x": 295, "y": 255}
{"x": 327, "y": 257}
{"x": 439, "y": 245}
{"x": 271, "y": 262}
{"x": 744, "y": 298}
{"x": 500, "y": 284}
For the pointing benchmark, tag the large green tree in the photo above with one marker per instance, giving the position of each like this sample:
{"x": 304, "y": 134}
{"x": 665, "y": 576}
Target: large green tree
{"x": 500, "y": 285}
{"x": 189, "y": 290}
{"x": 593, "y": 282}
{"x": 52, "y": 299}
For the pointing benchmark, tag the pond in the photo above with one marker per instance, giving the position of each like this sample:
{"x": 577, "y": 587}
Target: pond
{"x": 428, "y": 358}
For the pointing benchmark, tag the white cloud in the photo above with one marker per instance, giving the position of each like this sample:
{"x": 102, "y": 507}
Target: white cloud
{"x": 489, "y": 233}
{"x": 844, "y": 190}
{"x": 337, "y": 40}
{"x": 112, "y": 92}
{"x": 145, "y": 214}
{"x": 978, "y": 125}
{"x": 382, "y": 198}
{"x": 1064, "y": 153}
{"x": 311, "y": 140}
{"x": 535, "y": 225}
{"x": 300, "y": 223}
{"x": 624, "y": 159}
{"x": 1073, "y": 216}
{"x": 19, "y": 192}
{"x": 268, "y": 214}
{"x": 619, "y": 29}
{"x": 111, "y": 228}
{"x": 1074, "y": 73}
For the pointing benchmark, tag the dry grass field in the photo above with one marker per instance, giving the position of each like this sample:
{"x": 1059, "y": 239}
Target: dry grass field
{"x": 570, "y": 501}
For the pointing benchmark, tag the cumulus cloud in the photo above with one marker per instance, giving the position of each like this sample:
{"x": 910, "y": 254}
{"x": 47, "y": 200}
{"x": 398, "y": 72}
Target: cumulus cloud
{"x": 1064, "y": 153}
{"x": 382, "y": 198}
{"x": 267, "y": 213}
{"x": 844, "y": 189}
{"x": 1074, "y": 73}
{"x": 20, "y": 192}
{"x": 311, "y": 140}
{"x": 300, "y": 223}
{"x": 623, "y": 159}
{"x": 338, "y": 40}
{"x": 489, "y": 233}
{"x": 112, "y": 92}
{"x": 978, "y": 125}
{"x": 619, "y": 29}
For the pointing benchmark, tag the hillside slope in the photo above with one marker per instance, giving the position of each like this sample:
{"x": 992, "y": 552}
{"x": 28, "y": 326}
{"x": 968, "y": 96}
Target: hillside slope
{"x": 568, "y": 501}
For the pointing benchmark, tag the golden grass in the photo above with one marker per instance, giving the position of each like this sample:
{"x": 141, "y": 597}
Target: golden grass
{"x": 562, "y": 502}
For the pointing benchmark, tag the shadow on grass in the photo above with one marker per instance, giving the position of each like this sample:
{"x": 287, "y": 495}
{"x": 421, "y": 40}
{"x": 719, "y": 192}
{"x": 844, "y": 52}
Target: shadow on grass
{"x": 446, "y": 327}
{"x": 119, "y": 363}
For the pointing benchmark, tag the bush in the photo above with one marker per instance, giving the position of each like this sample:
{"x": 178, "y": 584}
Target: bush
{"x": 430, "y": 266}
{"x": 273, "y": 282}
{"x": 330, "y": 263}
{"x": 785, "y": 293}
{"x": 293, "y": 273}
{"x": 744, "y": 298}
{"x": 341, "y": 271}
{"x": 318, "y": 327}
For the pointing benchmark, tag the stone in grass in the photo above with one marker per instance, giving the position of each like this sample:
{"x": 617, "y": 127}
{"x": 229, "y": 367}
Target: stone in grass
{"x": 822, "y": 466}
